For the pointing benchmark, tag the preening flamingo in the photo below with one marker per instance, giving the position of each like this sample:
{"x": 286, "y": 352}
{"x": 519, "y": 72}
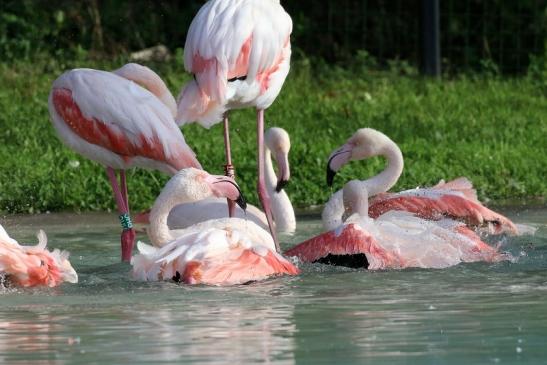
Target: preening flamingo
{"x": 217, "y": 252}
{"x": 109, "y": 118}
{"x": 456, "y": 199}
{"x": 239, "y": 53}
{"x": 29, "y": 266}
{"x": 396, "y": 239}
{"x": 276, "y": 140}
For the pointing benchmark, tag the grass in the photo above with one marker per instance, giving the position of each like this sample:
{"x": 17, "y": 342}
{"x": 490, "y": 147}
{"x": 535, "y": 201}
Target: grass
{"x": 492, "y": 130}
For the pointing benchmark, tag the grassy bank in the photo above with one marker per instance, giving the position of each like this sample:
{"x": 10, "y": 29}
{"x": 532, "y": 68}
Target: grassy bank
{"x": 490, "y": 130}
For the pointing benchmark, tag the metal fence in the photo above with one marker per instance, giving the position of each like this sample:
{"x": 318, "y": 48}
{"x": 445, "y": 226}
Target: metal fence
{"x": 474, "y": 33}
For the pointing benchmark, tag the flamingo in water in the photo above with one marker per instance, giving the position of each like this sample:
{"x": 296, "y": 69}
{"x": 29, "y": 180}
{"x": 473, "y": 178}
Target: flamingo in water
{"x": 455, "y": 199}
{"x": 277, "y": 141}
{"x": 217, "y": 252}
{"x": 394, "y": 240}
{"x": 239, "y": 53}
{"x": 120, "y": 119}
{"x": 29, "y": 266}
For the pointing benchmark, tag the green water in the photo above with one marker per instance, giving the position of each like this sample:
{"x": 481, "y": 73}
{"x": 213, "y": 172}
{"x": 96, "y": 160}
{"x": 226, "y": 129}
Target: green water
{"x": 469, "y": 314}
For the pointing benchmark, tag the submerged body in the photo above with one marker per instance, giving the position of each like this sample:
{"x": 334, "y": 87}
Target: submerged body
{"x": 455, "y": 199}
{"x": 30, "y": 266}
{"x": 394, "y": 240}
{"x": 217, "y": 252}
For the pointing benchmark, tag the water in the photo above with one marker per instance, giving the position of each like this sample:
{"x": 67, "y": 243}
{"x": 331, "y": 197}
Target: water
{"x": 469, "y": 314}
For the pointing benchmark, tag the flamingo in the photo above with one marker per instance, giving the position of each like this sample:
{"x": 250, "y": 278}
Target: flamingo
{"x": 109, "y": 118}
{"x": 29, "y": 266}
{"x": 394, "y": 240}
{"x": 216, "y": 252}
{"x": 276, "y": 140}
{"x": 456, "y": 199}
{"x": 239, "y": 53}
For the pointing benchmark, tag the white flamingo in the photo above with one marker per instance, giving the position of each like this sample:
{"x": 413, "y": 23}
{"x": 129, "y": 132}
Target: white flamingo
{"x": 218, "y": 252}
{"x": 455, "y": 199}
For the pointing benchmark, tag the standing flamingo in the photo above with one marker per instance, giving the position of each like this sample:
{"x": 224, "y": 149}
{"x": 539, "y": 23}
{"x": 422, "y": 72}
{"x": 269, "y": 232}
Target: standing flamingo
{"x": 29, "y": 266}
{"x": 456, "y": 199}
{"x": 217, "y": 252}
{"x": 239, "y": 53}
{"x": 107, "y": 117}
{"x": 277, "y": 141}
{"x": 396, "y": 239}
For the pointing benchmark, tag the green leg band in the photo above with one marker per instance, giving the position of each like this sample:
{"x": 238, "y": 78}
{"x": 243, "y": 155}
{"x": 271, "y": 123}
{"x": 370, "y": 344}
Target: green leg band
{"x": 125, "y": 220}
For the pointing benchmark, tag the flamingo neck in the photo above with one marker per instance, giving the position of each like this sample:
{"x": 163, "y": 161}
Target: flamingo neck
{"x": 355, "y": 198}
{"x": 387, "y": 178}
{"x": 158, "y": 230}
{"x": 282, "y": 210}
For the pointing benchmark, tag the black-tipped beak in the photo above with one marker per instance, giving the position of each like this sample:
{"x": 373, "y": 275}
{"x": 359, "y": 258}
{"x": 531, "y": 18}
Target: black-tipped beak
{"x": 241, "y": 201}
{"x": 330, "y": 175}
{"x": 280, "y": 185}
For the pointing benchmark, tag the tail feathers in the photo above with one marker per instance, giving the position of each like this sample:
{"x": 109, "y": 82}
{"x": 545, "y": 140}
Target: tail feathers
{"x": 4, "y": 237}
{"x": 196, "y": 106}
{"x": 461, "y": 184}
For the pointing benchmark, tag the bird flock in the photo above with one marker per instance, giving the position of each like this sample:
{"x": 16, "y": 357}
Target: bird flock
{"x": 238, "y": 52}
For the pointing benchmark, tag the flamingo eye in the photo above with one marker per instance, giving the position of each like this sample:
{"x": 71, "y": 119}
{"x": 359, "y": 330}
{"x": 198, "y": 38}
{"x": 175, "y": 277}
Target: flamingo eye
{"x": 42, "y": 263}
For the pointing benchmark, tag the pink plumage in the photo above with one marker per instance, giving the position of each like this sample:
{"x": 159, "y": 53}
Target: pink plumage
{"x": 121, "y": 119}
{"x": 29, "y": 266}
{"x": 455, "y": 199}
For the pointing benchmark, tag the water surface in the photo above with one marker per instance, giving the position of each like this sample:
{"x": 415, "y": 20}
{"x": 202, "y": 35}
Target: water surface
{"x": 469, "y": 314}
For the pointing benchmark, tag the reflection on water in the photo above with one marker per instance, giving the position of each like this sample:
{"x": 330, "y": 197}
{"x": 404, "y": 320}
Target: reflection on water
{"x": 471, "y": 313}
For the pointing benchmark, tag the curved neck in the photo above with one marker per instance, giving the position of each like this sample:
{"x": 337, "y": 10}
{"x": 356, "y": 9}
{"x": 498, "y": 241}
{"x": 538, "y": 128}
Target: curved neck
{"x": 158, "y": 230}
{"x": 282, "y": 210}
{"x": 387, "y": 178}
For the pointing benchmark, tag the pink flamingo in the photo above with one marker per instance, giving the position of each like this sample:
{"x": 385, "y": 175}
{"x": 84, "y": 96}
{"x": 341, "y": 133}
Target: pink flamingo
{"x": 109, "y": 118}
{"x": 239, "y": 53}
{"x": 396, "y": 239}
{"x": 29, "y": 266}
{"x": 217, "y": 252}
{"x": 456, "y": 199}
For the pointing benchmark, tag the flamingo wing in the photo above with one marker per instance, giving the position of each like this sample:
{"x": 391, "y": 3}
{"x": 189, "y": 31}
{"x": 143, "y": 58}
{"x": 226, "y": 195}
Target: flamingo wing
{"x": 455, "y": 199}
{"x": 247, "y": 40}
{"x": 349, "y": 239}
{"x": 120, "y": 116}
{"x": 235, "y": 38}
{"x": 239, "y": 266}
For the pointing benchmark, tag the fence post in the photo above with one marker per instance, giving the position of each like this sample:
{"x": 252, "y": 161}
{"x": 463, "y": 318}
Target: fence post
{"x": 431, "y": 38}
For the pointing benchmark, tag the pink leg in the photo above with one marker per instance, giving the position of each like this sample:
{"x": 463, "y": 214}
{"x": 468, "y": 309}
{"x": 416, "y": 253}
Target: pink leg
{"x": 123, "y": 183}
{"x": 228, "y": 168}
{"x": 262, "y": 192}
{"x": 128, "y": 233}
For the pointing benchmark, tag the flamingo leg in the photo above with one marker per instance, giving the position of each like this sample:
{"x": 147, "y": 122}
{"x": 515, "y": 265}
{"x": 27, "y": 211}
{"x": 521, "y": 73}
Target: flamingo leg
{"x": 128, "y": 233}
{"x": 228, "y": 168}
{"x": 262, "y": 191}
{"x": 123, "y": 183}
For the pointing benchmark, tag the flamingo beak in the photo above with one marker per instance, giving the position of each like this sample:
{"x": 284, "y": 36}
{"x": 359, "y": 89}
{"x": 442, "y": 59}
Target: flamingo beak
{"x": 337, "y": 159}
{"x": 284, "y": 170}
{"x": 226, "y": 187}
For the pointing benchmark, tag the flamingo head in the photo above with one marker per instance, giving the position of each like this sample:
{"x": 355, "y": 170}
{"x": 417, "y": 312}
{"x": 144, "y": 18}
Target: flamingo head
{"x": 277, "y": 140}
{"x": 365, "y": 143}
{"x": 197, "y": 185}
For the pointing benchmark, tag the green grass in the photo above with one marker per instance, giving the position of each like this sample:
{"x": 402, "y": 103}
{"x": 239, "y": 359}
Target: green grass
{"x": 492, "y": 130}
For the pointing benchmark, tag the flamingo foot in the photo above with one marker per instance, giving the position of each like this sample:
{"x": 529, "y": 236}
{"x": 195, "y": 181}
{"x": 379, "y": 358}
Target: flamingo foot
{"x": 127, "y": 241}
